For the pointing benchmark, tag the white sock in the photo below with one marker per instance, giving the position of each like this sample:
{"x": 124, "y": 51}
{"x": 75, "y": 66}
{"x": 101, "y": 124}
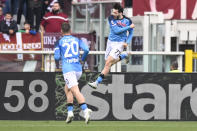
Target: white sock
{"x": 85, "y": 111}
{"x": 70, "y": 112}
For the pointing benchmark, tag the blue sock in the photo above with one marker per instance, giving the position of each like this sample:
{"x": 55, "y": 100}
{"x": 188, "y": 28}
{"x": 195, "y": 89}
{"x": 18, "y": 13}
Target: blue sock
{"x": 99, "y": 80}
{"x": 70, "y": 107}
{"x": 83, "y": 106}
{"x": 123, "y": 56}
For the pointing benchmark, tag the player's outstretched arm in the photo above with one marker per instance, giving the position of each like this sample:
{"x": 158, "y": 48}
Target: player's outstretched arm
{"x": 57, "y": 54}
{"x": 130, "y": 36}
{"x": 132, "y": 26}
{"x": 85, "y": 48}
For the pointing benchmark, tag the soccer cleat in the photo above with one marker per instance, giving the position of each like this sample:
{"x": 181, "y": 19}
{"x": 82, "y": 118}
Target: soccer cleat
{"x": 93, "y": 84}
{"x": 87, "y": 114}
{"x": 69, "y": 117}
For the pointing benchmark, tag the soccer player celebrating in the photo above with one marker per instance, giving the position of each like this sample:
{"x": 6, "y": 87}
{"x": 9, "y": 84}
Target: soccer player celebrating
{"x": 117, "y": 41}
{"x": 67, "y": 49}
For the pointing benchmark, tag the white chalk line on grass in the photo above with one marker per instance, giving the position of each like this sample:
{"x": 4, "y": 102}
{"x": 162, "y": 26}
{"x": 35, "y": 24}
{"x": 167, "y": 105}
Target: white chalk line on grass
{"x": 89, "y": 125}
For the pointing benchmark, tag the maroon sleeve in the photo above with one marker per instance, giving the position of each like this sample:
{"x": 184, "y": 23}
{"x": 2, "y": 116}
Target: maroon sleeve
{"x": 66, "y": 18}
{"x": 44, "y": 19}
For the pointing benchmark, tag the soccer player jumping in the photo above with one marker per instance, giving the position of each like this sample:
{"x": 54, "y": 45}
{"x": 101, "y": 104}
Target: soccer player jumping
{"x": 67, "y": 49}
{"x": 117, "y": 41}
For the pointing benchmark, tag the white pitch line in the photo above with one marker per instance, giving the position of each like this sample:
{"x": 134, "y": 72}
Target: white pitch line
{"x": 70, "y": 125}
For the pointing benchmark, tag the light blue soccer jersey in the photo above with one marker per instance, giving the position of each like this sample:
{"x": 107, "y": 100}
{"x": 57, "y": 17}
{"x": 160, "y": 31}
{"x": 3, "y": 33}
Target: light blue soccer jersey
{"x": 67, "y": 49}
{"x": 119, "y": 28}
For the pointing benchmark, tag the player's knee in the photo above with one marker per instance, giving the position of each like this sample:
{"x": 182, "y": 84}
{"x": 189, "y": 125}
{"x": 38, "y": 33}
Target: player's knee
{"x": 75, "y": 90}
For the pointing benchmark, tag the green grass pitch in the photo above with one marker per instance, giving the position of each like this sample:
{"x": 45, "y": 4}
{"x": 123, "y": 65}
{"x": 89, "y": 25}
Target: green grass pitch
{"x": 97, "y": 126}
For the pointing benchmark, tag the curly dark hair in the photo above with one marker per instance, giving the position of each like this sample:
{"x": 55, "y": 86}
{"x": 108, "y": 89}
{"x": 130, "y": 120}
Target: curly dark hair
{"x": 118, "y": 7}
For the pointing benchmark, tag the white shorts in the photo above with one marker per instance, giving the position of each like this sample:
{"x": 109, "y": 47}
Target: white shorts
{"x": 71, "y": 78}
{"x": 114, "y": 49}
